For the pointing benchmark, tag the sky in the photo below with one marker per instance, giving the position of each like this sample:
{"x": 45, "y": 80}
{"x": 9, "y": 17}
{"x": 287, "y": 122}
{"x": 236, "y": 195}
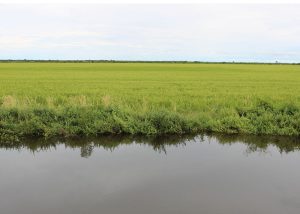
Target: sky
{"x": 193, "y": 32}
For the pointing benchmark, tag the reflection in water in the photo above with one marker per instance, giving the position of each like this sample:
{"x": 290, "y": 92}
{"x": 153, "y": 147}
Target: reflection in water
{"x": 131, "y": 175}
{"x": 159, "y": 144}
{"x": 261, "y": 143}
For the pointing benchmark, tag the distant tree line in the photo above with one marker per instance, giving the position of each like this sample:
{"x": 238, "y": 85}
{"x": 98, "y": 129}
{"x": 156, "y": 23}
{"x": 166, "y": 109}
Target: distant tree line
{"x": 137, "y": 61}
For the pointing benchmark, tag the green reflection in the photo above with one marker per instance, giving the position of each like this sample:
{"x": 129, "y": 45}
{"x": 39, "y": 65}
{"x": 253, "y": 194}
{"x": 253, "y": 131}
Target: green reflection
{"x": 159, "y": 144}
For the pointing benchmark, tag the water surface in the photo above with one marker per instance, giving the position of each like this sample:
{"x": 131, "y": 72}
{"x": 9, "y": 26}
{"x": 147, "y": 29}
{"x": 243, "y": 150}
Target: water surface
{"x": 198, "y": 174}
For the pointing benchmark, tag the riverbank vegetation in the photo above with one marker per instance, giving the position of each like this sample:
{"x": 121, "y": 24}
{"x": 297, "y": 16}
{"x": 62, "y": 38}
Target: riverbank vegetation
{"x": 93, "y": 99}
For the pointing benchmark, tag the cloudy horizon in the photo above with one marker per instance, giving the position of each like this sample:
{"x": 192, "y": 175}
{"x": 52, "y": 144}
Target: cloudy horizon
{"x": 201, "y": 32}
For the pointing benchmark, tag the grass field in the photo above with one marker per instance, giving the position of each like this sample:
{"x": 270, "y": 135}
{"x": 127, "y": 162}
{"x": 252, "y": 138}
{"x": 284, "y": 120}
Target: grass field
{"x": 90, "y": 99}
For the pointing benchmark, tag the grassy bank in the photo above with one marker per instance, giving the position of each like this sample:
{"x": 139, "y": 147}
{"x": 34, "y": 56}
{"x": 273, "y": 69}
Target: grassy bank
{"x": 90, "y": 99}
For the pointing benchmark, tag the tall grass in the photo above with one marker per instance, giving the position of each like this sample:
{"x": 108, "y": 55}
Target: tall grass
{"x": 71, "y": 99}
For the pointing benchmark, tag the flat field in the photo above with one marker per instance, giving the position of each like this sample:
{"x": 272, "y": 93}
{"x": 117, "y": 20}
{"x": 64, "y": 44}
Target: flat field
{"x": 71, "y": 99}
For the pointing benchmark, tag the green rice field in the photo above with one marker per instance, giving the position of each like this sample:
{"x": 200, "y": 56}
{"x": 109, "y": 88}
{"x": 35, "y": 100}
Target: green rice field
{"x": 92, "y": 99}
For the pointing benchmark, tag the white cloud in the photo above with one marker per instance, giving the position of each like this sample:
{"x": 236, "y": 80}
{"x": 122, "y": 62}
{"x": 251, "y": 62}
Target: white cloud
{"x": 151, "y": 32}
{"x": 15, "y": 42}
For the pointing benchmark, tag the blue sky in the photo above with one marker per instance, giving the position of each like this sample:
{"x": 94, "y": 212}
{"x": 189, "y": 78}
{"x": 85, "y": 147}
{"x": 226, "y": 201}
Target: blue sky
{"x": 202, "y": 32}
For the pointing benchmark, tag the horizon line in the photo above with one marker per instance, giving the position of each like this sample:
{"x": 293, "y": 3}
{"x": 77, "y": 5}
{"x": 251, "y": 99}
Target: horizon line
{"x": 145, "y": 61}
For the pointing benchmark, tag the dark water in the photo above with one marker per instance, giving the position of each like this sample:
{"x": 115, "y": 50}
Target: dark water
{"x": 202, "y": 174}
